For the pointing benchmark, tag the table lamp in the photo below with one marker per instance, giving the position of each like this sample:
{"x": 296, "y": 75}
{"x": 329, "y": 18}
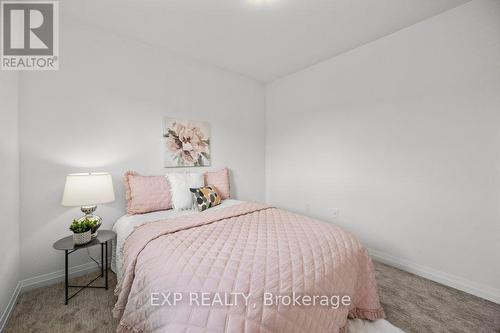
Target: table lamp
{"x": 87, "y": 190}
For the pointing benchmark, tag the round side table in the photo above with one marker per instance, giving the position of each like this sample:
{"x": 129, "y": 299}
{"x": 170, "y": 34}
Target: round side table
{"x": 66, "y": 244}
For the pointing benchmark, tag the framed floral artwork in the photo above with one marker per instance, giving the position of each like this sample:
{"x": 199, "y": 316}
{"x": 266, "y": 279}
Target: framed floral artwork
{"x": 187, "y": 143}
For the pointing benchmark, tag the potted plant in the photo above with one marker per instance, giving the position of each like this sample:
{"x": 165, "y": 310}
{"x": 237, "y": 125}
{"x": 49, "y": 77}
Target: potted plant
{"x": 94, "y": 222}
{"x": 82, "y": 232}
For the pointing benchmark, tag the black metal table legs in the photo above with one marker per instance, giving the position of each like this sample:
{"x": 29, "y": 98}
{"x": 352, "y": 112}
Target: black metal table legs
{"x": 66, "y": 277}
{"x": 104, "y": 273}
{"x": 106, "y": 262}
{"x": 102, "y": 259}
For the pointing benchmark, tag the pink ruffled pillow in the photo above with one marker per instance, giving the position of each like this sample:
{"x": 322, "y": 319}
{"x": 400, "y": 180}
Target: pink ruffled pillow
{"x": 219, "y": 179}
{"x": 146, "y": 193}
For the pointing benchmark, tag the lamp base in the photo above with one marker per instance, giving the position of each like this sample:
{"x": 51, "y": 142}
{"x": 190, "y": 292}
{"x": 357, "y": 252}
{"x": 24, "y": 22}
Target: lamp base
{"x": 88, "y": 211}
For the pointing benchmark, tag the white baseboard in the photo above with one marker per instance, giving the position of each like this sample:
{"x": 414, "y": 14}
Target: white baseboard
{"x": 8, "y": 310}
{"x": 58, "y": 276}
{"x": 42, "y": 281}
{"x": 450, "y": 280}
{"x": 457, "y": 282}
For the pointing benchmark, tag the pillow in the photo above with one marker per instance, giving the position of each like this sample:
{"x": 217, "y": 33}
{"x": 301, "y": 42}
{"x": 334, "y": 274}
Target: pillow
{"x": 220, "y": 179}
{"x": 180, "y": 183}
{"x": 205, "y": 197}
{"x": 146, "y": 194}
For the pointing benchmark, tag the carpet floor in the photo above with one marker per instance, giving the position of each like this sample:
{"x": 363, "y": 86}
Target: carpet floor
{"x": 414, "y": 304}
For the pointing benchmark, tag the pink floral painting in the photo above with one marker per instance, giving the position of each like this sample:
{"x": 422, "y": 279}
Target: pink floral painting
{"x": 187, "y": 143}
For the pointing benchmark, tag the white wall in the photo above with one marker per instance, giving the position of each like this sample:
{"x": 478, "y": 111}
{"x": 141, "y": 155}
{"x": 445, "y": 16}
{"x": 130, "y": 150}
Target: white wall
{"x": 9, "y": 188}
{"x": 402, "y": 135}
{"x": 103, "y": 111}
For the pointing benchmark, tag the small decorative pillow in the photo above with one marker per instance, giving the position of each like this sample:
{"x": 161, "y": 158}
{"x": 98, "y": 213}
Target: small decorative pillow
{"x": 206, "y": 197}
{"x": 180, "y": 183}
{"x": 219, "y": 179}
{"x": 146, "y": 194}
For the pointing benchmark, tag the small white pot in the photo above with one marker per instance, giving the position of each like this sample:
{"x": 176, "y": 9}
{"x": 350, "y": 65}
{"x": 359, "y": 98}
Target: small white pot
{"x": 82, "y": 238}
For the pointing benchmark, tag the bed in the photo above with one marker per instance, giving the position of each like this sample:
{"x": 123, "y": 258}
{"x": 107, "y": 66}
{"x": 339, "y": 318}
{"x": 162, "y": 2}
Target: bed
{"x": 290, "y": 272}
{"x": 126, "y": 224}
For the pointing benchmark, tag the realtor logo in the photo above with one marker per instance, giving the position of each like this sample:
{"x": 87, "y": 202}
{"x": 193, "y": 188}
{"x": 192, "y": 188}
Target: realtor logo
{"x": 29, "y": 35}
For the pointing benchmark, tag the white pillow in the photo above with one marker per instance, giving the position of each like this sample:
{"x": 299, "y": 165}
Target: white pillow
{"x": 180, "y": 183}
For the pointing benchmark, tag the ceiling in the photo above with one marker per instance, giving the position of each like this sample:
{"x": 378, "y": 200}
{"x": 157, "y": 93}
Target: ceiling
{"x": 262, "y": 39}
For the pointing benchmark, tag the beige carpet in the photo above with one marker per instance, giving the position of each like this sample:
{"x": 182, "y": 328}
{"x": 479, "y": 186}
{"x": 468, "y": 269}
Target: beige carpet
{"x": 412, "y": 303}
{"x": 418, "y": 305}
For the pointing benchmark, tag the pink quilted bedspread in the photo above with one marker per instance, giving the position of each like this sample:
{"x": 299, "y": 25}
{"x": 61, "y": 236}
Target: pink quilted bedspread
{"x": 247, "y": 262}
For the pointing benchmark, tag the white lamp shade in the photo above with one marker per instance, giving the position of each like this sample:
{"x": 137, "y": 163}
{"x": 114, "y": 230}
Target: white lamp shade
{"x": 88, "y": 189}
